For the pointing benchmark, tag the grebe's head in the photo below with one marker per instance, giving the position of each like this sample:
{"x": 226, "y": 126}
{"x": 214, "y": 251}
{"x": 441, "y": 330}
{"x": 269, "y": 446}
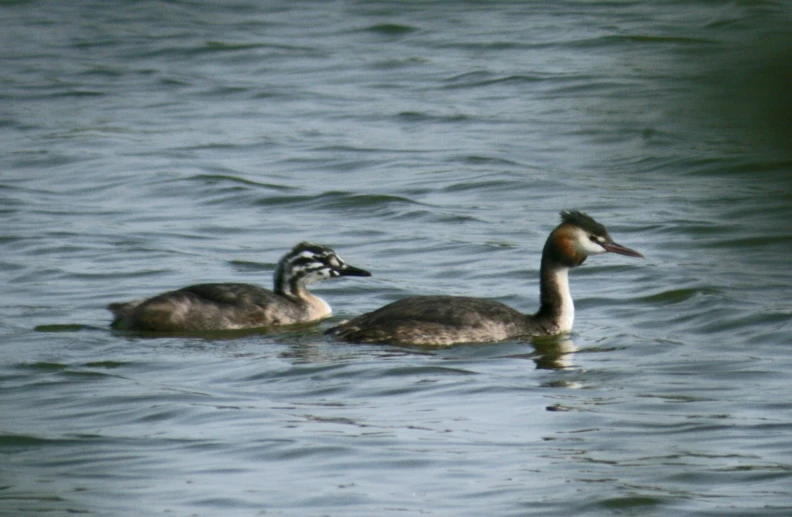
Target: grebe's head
{"x": 309, "y": 263}
{"x": 579, "y": 236}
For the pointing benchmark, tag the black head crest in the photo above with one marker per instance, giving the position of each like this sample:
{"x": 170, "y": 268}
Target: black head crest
{"x": 583, "y": 221}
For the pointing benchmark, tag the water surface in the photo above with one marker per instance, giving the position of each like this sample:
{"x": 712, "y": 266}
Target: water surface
{"x": 151, "y": 145}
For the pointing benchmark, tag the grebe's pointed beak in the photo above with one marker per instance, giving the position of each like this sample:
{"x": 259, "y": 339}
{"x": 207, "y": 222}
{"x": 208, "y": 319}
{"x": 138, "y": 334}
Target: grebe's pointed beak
{"x": 621, "y": 250}
{"x": 348, "y": 270}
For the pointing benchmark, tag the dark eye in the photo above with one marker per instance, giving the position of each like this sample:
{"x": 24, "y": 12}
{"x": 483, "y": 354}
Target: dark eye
{"x": 593, "y": 238}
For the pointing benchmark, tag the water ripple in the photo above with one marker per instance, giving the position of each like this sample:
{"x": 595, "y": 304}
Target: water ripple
{"x": 154, "y": 145}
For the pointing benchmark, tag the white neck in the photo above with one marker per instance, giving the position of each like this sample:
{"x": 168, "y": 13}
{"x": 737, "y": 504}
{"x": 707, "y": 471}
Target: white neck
{"x": 318, "y": 308}
{"x": 557, "y": 307}
{"x": 567, "y": 316}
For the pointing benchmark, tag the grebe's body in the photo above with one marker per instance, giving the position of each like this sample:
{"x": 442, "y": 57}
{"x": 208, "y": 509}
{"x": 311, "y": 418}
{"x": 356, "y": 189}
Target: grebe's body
{"x": 446, "y": 320}
{"x": 227, "y": 306}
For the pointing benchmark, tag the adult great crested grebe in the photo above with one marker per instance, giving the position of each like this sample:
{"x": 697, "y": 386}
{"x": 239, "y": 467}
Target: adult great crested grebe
{"x": 226, "y": 306}
{"x": 446, "y": 320}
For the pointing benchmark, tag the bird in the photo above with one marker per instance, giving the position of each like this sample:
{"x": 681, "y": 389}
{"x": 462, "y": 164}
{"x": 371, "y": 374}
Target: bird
{"x": 231, "y": 306}
{"x": 447, "y": 320}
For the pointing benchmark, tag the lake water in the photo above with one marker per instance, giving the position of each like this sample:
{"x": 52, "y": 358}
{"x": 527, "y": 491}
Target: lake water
{"x": 149, "y": 145}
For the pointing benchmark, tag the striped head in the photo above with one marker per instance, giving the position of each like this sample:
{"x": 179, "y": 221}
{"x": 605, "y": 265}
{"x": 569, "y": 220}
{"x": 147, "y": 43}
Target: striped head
{"x": 309, "y": 263}
{"x": 579, "y": 236}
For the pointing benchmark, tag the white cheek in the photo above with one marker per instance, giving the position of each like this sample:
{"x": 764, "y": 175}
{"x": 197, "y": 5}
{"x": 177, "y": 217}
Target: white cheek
{"x": 583, "y": 244}
{"x": 316, "y": 276}
{"x": 591, "y": 248}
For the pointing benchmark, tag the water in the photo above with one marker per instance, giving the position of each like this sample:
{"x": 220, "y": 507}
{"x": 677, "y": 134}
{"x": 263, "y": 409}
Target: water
{"x": 150, "y": 145}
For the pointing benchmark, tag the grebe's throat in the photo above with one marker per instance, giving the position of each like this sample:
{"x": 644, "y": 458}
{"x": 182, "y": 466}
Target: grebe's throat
{"x": 557, "y": 309}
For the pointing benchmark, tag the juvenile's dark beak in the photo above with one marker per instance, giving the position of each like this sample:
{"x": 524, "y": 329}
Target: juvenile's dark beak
{"x": 621, "y": 250}
{"x": 348, "y": 270}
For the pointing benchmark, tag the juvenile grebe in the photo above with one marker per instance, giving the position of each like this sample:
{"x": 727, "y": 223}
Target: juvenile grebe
{"x": 207, "y": 307}
{"x": 445, "y": 320}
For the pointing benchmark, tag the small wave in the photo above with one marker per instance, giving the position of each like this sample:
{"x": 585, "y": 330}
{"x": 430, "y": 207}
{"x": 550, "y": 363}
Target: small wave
{"x": 76, "y": 93}
{"x": 478, "y": 160}
{"x": 390, "y": 29}
{"x": 26, "y": 441}
{"x": 425, "y": 370}
{"x": 220, "y": 179}
{"x": 432, "y": 216}
{"x": 338, "y": 199}
{"x": 417, "y": 116}
{"x": 45, "y": 367}
{"x": 478, "y": 79}
{"x": 249, "y": 266}
{"x": 215, "y": 47}
{"x": 749, "y": 242}
{"x": 69, "y": 327}
{"x": 643, "y": 38}
{"x": 673, "y": 296}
